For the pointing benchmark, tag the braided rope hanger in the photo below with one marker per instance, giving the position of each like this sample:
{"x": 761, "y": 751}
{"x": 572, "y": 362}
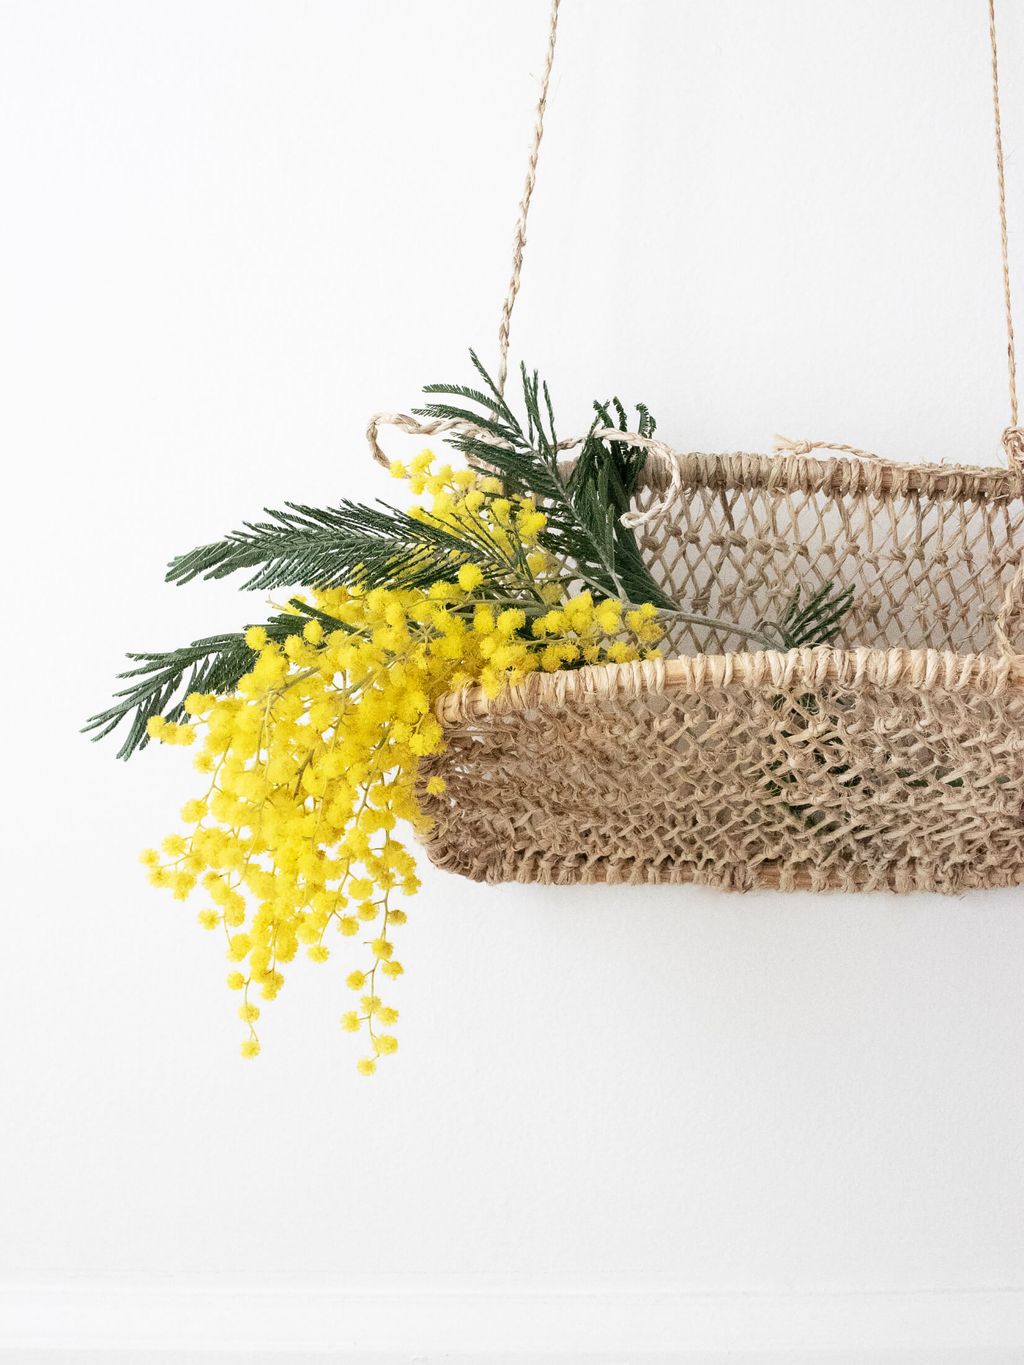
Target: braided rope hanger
{"x": 1012, "y": 438}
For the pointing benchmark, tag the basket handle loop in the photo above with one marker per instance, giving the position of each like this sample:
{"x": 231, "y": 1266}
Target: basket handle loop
{"x": 412, "y": 426}
{"x": 459, "y": 426}
{"x": 1013, "y": 445}
{"x": 1012, "y": 442}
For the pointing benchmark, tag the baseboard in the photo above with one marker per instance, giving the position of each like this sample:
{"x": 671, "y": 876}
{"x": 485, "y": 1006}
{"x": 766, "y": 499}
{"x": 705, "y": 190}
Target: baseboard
{"x": 419, "y": 1323}
{"x": 173, "y": 1357}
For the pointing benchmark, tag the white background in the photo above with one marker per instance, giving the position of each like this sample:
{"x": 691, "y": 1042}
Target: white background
{"x": 621, "y": 1119}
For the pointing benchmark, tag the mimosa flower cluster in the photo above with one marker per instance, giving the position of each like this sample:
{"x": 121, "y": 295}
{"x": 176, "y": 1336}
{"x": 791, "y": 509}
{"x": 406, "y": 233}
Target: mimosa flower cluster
{"x": 312, "y": 763}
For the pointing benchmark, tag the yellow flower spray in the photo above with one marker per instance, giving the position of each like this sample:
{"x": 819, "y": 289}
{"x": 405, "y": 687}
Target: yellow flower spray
{"x": 312, "y": 764}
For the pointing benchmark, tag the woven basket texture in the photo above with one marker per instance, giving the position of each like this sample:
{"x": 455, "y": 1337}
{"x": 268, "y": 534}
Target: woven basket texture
{"x": 893, "y": 759}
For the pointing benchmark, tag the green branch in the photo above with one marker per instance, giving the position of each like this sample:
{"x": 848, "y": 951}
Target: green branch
{"x": 160, "y": 681}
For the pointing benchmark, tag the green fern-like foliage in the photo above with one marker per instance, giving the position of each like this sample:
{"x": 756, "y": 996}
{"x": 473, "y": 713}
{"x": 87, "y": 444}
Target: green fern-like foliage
{"x": 381, "y": 546}
{"x": 159, "y": 682}
{"x": 329, "y": 547}
{"x": 584, "y": 506}
{"x": 817, "y": 622}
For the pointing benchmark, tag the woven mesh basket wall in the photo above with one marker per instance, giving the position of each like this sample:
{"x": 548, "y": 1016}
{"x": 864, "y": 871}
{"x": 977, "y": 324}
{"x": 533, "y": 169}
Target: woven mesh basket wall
{"x": 894, "y": 759}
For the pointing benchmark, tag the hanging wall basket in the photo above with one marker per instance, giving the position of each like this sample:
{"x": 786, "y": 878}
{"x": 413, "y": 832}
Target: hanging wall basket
{"x": 592, "y": 589}
{"x": 895, "y": 761}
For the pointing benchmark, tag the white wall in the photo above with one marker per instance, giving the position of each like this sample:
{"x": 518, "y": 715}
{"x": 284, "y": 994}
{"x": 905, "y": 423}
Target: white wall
{"x": 621, "y": 1119}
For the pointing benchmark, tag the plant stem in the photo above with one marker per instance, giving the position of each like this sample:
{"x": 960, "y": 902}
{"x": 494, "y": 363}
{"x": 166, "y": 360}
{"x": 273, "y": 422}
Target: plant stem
{"x": 725, "y": 627}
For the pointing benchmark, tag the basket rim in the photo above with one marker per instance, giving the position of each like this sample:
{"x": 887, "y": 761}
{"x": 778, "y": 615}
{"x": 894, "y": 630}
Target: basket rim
{"x": 918, "y": 669}
{"x": 836, "y": 474}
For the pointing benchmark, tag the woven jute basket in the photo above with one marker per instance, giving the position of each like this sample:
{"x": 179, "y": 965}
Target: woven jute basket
{"x": 893, "y": 760}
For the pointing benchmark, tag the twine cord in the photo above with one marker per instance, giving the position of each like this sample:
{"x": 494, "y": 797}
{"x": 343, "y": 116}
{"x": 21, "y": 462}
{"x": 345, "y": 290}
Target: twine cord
{"x": 519, "y": 238}
{"x": 414, "y": 426}
{"x": 1011, "y": 355}
{"x": 1013, "y": 437}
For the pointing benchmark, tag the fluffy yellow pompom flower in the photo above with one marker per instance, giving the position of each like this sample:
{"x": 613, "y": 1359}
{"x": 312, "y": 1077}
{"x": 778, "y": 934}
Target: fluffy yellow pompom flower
{"x": 470, "y": 577}
{"x": 530, "y": 525}
{"x": 609, "y": 616}
{"x": 311, "y": 767}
